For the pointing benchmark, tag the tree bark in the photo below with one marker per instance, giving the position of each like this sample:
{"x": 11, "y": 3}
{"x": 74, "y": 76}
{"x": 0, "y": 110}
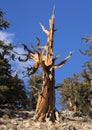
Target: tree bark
{"x": 43, "y": 57}
{"x": 46, "y": 102}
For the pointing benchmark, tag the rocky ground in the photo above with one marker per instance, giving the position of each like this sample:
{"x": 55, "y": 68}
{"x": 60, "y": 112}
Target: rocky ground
{"x": 23, "y": 120}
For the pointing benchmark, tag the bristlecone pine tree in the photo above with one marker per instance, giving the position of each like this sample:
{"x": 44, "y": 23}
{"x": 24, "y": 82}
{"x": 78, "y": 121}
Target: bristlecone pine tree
{"x": 74, "y": 93}
{"x": 43, "y": 57}
{"x": 87, "y": 73}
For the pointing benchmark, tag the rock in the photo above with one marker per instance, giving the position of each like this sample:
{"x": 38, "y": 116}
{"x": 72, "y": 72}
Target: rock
{"x": 11, "y": 127}
{"x": 23, "y": 120}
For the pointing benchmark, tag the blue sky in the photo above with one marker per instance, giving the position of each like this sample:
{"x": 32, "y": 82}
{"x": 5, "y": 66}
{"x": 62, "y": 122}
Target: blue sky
{"x": 73, "y": 20}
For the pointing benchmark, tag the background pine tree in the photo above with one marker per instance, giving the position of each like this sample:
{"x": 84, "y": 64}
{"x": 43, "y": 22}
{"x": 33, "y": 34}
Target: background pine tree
{"x": 12, "y": 89}
{"x": 76, "y": 92}
{"x": 35, "y": 83}
{"x": 3, "y": 23}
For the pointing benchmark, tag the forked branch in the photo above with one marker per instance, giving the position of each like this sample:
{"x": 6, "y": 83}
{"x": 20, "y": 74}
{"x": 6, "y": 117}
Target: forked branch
{"x": 62, "y": 62}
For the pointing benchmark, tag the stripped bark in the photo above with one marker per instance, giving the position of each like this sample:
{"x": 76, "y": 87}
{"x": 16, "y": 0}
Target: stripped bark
{"x": 43, "y": 57}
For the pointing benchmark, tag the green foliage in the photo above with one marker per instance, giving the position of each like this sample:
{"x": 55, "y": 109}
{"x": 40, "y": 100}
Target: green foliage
{"x": 12, "y": 89}
{"x": 77, "y": 90}
{"x": 35, "y": 83}
{"x": 68, "y": 90}
{"x": 75, "y": 93}
{"x": 88, "y": 53}
{"x": 3, "y": 23}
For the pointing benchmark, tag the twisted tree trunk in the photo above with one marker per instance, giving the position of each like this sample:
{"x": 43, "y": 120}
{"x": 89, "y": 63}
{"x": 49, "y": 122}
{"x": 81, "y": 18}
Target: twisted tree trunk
{"x": 46, "y": 102}
{"x": 43, "y": 57}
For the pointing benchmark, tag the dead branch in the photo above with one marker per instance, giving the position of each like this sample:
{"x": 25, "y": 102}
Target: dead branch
{"x": 53, "y": 13}
{"x": 26, "y": 49}
{"x": 87, "y": 39}
{"x": 23, "y": 60}
{"x": 34, "y": 50}
{"x": 32, "y": 47}
{"x": 55, "y": 58}
{"x": 34, "y": 68}
{"x": 56, "y": 87}
{"x": 44, "y": 30}
{"x": 62, "y": 62}
{"x": 38, "y": 43}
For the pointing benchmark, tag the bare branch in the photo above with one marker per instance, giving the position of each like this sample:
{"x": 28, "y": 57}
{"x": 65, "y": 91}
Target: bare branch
{"x": 26, "y": 49}
{"x": 84, "y": 53}
{"x": 13, "y": 57}
{"x": 43, "y": 28}
{"x": 53, "y": 13}
{"x": 38, "y": 44}
{"x": 56, "y": 87}
{"x": 38, "y": 41}
{"x": 89, "y": 39}
{"x": 34, "y": 68}
{"x": 62, "y": 62}
{"x": 55, "y": 58}
{"x": 32, "y": 47}
{"x": 23, "y": 60}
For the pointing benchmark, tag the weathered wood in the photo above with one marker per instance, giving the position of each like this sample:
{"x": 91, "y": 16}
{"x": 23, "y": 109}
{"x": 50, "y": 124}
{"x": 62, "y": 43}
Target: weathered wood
{"x": 43, "y": 57}
{"x": 46, "y": 102}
